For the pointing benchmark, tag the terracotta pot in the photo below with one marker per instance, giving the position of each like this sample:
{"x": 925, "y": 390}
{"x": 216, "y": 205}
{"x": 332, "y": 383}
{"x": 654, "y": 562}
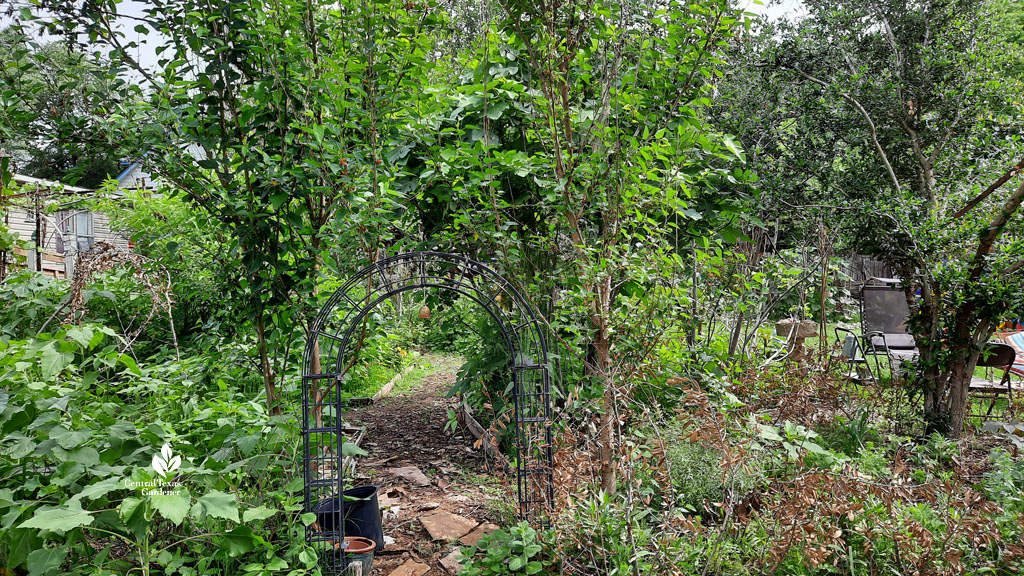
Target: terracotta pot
{"x": 359, "y": 545}
{"x": 359, "y": 555}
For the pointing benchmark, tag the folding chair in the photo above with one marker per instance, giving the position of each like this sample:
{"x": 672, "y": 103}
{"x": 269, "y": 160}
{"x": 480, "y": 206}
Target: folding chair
{"x": 995, "y": 356}
{"x": 883, "y": 316}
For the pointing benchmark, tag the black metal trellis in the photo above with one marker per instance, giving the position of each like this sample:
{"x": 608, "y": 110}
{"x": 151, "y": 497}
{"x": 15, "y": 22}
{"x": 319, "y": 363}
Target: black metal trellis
{"x": 325, "y": 365}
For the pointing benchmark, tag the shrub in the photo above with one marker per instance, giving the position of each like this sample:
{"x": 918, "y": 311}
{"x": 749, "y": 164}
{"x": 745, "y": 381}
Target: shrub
{"x": 517, "y": 550}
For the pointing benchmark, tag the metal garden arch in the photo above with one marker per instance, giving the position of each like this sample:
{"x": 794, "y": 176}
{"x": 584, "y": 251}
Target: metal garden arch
{"x": 325, "y": 364}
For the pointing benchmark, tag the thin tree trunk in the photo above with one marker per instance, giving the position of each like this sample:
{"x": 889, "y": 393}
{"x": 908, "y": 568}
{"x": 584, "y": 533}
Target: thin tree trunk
{"x": 273, "y": 407}
{"x": 606, "y": 433}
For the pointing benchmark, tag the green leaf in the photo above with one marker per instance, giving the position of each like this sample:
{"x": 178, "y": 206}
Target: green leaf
{"x": 136, "y": 516}
{"x": 59, "y": 519}
{"x": 69, "y": 439}
{"x": 495, "y": 110}
{"x": 814, "y": 448}
{"x": 308, "y": 558}
{"x": 46, "y": 561}
{"x": 238, "y": 541}
{"x": 733, "y": 147}
{"x": 130, "y": 363}
{"x": 53, "y": 362}
{"x": 99, "y": 489}
{"x": 294, "y": 485}
{"x": 308, "y": 518}
{"x": 258, "y": 513}
{"x": 350, "y": 449}
{"x": 82, "y": 335}
{"x": 21, "y": 446}
{"x": 276, "y": 200}
{"x": 216, "y": 504}
{"x": 174, "y": 507}
{"x": 768, "y": 433}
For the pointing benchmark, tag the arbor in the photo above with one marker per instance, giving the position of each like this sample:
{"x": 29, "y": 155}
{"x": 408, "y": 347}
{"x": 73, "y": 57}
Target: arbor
{"x": 887, "y": 104}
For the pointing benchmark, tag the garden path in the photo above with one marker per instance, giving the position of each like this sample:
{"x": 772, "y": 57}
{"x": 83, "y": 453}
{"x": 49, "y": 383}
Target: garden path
{"x": 407, "y": 430}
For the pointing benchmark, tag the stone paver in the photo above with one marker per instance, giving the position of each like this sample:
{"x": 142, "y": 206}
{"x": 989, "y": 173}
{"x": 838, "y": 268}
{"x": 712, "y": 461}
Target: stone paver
{"x": 410, "y": 568}
{"x": 473, "y": 537}
{"x": 452, "y": 562}
{"x": 411, "y": 474}
{"x": 447, "y": 526}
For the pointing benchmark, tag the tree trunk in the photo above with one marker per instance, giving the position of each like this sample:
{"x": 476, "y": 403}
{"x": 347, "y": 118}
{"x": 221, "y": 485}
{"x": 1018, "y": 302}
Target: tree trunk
{"x": 268, "y": 375}
{"x": 606, "y": 433}
{"x": 602, "y": 347}
{"x": 959, "y": 380}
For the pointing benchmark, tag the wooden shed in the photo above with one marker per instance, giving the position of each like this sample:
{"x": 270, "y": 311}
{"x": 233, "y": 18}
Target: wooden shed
{"x": 54, "y": 220}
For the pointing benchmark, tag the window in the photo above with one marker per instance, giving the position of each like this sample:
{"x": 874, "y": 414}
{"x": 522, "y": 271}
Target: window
{"x": 63, "y": 218}
{"x": 84, "y": 238}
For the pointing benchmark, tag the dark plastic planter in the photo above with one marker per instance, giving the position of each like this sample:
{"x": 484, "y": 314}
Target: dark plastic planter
{"x": 360, "y": 510}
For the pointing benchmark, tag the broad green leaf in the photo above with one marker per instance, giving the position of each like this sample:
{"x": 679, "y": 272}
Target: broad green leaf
{"x": 733, "y": 147}
{"x": 496, "y": 109}
{"x": 350, "y": 449}
{"x": 277, "y": 563}
{"x": 53, "y": 362}
{"x": 136, "y": 515}
{"x": 59, "y": 519}
{"x": 100, "y": 489}
{"x": 258, "y": 513}
{"x": 308, "y": 558}
{"x": 17, "y": 446}
{"x": 130, "y": 363}
{"x": 174, "y": 507}
{"x": 81, "y": 335}
{"x": 46, "y": 561}
{"x": 69, "y": 439}
{"x": 216, "y": 504}
{"x": 293, "y": 485}
{"x": 238, "y": 541}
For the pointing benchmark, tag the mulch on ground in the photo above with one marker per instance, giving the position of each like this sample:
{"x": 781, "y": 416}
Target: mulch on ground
{"x": 407, "y": 431}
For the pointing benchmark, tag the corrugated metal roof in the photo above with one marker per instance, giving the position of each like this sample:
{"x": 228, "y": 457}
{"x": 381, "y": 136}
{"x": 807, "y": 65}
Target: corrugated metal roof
{"x": 22, "y": 179}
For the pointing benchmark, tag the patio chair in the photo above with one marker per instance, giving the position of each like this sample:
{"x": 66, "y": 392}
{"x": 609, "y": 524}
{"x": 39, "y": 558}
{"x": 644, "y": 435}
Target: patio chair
{"x": 995, "y": 356}
{"x": 883, "y": 316}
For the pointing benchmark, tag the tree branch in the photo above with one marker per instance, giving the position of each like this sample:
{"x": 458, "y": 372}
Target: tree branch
{"x": 1013, "y": 171}
{"x": 867, "y": 118}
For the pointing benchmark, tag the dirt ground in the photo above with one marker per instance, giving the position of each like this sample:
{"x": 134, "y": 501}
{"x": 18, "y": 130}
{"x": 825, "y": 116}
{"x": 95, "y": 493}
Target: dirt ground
{"x": 409, "y": 429}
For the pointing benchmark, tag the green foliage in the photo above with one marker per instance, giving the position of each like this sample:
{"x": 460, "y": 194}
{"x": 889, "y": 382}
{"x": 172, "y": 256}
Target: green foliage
{"x": 850, "y": 435}
{"x": 519, "y": 549}
{"x": 30, "y": 299}
{"x": 89, "y": 420}
{"x": 1004, "y": 485}
{"x": 187, "y": 246}
{"x": 52, "y": 100}
{"x": 700, "y": 485}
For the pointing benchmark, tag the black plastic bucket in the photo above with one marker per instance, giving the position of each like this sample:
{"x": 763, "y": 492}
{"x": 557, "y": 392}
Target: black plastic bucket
{"x": 360, "y": 510}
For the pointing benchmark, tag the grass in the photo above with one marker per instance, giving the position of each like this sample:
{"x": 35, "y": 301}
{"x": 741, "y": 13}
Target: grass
{"x": 377, "y": 376}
